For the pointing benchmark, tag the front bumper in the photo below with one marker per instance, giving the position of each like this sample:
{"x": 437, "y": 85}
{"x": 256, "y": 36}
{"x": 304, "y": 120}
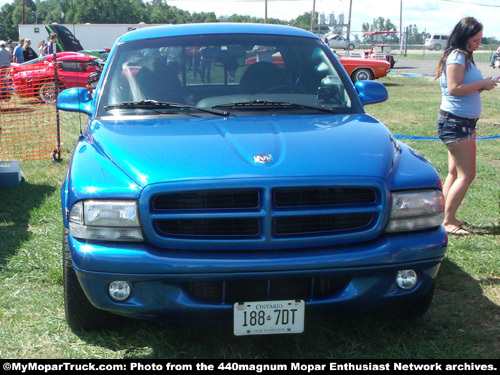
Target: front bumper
{"x": 187, "y": 285}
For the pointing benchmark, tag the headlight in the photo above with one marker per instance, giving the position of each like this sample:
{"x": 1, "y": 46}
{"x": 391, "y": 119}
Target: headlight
{"x": 106, "y": 220}
{"x": 416, "y": 210}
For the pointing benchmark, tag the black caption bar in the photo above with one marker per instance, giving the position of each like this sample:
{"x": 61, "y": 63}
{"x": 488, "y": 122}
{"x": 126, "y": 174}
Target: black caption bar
{"x": 252, "y": 366}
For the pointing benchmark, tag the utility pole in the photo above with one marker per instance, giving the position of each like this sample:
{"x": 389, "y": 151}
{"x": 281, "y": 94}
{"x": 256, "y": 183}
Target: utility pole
{"x": 313, "y": 15}
{"x": 265, "y": 11}
{"x": 401, "y": 26}
{"x": 349, "y": 22}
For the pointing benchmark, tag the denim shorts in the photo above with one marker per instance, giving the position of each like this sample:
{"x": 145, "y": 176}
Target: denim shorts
{"x": 451, "y": 130}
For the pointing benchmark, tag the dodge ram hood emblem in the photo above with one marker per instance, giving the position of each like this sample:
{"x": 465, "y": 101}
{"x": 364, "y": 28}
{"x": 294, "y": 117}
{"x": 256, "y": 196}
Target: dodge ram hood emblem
{"x": 262, "y": 158}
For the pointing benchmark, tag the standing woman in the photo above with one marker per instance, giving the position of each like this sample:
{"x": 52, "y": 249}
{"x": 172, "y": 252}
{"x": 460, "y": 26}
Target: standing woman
{"x": 28, "y": 52}
{"x": 461, "y": 83}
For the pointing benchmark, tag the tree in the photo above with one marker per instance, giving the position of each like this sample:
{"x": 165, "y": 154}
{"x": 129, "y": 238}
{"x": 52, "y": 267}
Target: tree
{"x": 380, "y": 24}
{"x": 303, "y": 21}
{"x": 106, "y": 11}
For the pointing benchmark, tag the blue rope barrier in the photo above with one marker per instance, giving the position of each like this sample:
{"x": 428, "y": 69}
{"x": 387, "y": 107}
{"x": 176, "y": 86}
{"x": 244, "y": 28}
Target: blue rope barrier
{"x": 417, "y": 138}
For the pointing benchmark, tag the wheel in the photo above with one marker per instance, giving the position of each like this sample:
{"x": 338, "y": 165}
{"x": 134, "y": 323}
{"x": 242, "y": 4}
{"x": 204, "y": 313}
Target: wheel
{"x": 437, "y": 47}
{"x": 80, "y": 313}
{"x": 47, "y": 92}
{"x": 362, "y": 74}
{"x": 350, "y": 47}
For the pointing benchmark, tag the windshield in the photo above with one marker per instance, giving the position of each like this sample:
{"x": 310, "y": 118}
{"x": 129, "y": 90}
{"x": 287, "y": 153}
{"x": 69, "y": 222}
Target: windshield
{"x": 225, "y": 70}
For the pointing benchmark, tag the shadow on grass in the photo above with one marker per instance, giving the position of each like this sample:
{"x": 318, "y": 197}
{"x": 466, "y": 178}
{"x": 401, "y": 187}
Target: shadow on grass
{"x": 461, "y": 323}
{"x": 16, "y": 203}
{"x": 485, "y": 230}
{"x": 390, "y": 84}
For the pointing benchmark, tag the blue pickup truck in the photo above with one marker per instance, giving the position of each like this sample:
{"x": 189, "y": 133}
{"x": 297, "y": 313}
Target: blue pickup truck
{"x": 228, "y": 172}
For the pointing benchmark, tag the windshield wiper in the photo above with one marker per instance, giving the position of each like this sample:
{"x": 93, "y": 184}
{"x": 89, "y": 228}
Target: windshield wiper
{"x": 155, "y": 105}
{"x": 268, "y": 104}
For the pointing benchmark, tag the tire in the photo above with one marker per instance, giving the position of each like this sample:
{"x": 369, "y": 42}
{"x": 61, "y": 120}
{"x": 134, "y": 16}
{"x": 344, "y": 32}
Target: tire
{"x": 437, "y": 47}
{"x": 362, "y": 74}
{"x": 350, "y": 47}
{"x": 80, "y": 314}
{"x": 47, "y": 92}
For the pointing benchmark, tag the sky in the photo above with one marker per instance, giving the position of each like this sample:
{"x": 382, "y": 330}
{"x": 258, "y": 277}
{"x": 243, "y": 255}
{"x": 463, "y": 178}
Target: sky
{"x": 431, "y": 16}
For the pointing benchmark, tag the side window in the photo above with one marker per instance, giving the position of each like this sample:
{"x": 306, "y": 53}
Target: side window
{"x": 70, "y": 66}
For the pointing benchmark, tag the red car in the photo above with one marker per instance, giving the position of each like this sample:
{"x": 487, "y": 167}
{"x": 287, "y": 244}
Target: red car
{"x": 364, "y": 69}
{"x": 37, "y": 78}
{"x": 357, "y": 68}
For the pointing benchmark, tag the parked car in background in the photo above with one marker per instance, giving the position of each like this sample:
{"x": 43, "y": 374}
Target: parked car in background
{"x": 364, "y": 68}
{"x": 38, "y": 78}
{"x": 436, "y": 41}
{"x": 38, "y": 62}
{"x": 272, "y": 194}
{"x": 338, "y": 41}
{"x": 358, "y": 69}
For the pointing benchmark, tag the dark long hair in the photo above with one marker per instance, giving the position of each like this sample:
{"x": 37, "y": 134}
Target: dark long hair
{"x": 463, "y": 31}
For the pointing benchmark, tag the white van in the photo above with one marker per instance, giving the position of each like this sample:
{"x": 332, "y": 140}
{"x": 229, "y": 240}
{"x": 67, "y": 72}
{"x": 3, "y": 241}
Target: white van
{"x": 436, "y": 41}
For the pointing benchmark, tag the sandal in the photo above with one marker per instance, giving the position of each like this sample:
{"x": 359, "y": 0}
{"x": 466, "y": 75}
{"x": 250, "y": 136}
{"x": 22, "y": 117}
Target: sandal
{"x": 458, "y": 231}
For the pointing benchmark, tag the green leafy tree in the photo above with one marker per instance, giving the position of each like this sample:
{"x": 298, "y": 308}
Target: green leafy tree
{"x": 303, "y": 21}
{"x": 8, "y": 29}
{"x": 158, "y": 11}
{"x": 106, "y": 11}
{"x": 203, "y": 17}
{"x": 380, "y": 24}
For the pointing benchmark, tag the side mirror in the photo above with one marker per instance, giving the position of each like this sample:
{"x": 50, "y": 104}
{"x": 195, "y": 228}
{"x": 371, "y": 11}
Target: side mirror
{"x": 371, "y": 92}
{"x": 76, "y": 99}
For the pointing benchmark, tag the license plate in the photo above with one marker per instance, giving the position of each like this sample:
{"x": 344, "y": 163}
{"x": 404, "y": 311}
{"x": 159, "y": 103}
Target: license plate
{"x": 268, "y": 317}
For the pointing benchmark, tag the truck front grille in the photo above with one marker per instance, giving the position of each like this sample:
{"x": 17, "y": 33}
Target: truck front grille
{"x": 263, "y": 215}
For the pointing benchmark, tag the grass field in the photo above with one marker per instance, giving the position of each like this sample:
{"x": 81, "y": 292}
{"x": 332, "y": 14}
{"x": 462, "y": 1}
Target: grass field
{"x": 463, "y": 322}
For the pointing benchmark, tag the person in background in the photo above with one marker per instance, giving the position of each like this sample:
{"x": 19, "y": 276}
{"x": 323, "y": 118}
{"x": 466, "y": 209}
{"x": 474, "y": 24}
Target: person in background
{"x": 461, "y": 83}
{"x": 4, "y": 56}
{"x": 17, "y": 56}
{"x": 41, "y": 47}
{"x": 51, "y": 46}
{"x": 495, "y": 55}
{"x": 10, "y": 48}
{"x": 28, "y": 52}
{"x": 4, "y": 67}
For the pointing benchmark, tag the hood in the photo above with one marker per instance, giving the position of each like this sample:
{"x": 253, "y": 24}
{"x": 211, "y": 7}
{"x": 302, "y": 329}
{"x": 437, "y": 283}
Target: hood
{"x": 158, "y": 149}
{"x": 65, "y": 38}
